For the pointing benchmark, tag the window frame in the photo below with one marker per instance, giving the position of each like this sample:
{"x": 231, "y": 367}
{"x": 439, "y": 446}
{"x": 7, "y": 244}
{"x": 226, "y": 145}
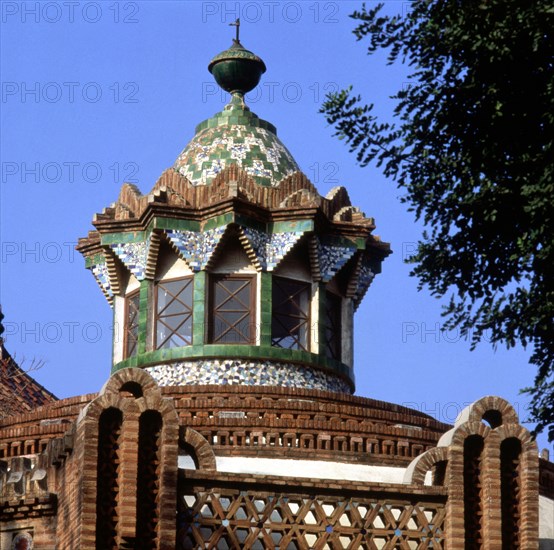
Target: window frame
{"x": 307, "y": 286}
{"x": 129, "y": 299}
{"x": 154, "y": 340}
{"x": 336, "y": 341}
{"x": 213, "y": 279}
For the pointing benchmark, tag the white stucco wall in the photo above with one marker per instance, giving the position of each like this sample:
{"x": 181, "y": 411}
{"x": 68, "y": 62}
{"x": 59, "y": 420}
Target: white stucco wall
{"x": 546, "y": 523}
{"x": 312, "y": 469}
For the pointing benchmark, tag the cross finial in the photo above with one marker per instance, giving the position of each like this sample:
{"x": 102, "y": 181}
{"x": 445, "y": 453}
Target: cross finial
{"x": 237, "y": 25}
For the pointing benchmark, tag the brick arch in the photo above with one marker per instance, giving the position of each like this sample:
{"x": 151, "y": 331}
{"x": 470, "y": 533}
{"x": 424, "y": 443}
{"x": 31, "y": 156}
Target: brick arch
{"x": 204, "y": 454}
{"x": 528, "y": 476}
{"x": 418, "y": 468}
{"x": 504, "y": 425}
{"x": 151, "y": 398}
{"x": 479, "y": 410}
{"x": 454, "y": 441}
{"x": 124, "y": 376}
{"x": 519, "y": 432}
{"x": 132, "y": 406}
{"x": 462, "y": 432}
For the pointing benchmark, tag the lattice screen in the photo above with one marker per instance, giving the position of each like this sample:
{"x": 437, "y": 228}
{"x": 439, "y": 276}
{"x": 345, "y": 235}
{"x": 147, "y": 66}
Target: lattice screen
{"x": 227, "y": 519}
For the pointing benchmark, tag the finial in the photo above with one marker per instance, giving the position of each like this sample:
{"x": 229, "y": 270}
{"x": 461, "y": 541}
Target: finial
{"x": 237, "y": 25}
{"x": 237, "y": 70}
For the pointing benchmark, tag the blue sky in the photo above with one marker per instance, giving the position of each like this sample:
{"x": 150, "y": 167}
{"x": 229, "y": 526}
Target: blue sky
{"x": 98, "y": 93}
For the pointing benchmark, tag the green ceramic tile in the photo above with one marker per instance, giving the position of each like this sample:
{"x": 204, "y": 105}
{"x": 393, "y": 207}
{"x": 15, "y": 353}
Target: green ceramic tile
{"x": 117, "y": 238}
{"x": 176, "y": 224}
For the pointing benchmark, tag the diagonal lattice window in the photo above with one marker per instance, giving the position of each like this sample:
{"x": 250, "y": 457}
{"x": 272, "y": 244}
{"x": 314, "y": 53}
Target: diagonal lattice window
{"x": 333, "y": 328}
{"x": 174, "y": 313}
{"x": 131, "y": 324}
{"x": 291, "y": 314}
{"x": 231, "y": 313}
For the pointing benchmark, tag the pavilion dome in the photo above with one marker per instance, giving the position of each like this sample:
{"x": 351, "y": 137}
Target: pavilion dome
{"x": 236, "y": 135}
{"x": 233, "y": 269}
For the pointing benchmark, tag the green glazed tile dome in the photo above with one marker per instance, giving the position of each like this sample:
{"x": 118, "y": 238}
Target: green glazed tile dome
{"x": 236, "y": 136}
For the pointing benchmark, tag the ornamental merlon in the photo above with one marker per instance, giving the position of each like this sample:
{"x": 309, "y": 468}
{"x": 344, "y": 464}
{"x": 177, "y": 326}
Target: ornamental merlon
{"x": 174, "y": 196}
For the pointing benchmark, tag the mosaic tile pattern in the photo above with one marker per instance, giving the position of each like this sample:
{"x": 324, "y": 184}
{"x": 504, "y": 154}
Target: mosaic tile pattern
{"x": 271, "y": 249}
{"x": 364, "y": 280}
{"x": 332, "y": 257}
{"x": 196, "y": 247}
{"x": 249, "y": 373}
{"x": 100, "y": 272}
{"x": 22, "y": 540}
{"x": 133, "y": 255}
{"x": 235, "y": 136}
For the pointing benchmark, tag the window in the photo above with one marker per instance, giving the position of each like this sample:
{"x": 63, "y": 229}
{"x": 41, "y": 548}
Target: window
{"x": 131, "y": 324}
{"x": 231, "y": 318}
{"x": 174, "y": 313}
{"x": 291, "y": 314}
{"x": 333, "y": 329}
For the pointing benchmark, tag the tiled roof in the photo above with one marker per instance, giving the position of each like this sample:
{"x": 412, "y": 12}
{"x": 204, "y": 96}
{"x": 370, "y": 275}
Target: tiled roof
{"x": 236, "y": 136}
{"x": 19, "y": 392}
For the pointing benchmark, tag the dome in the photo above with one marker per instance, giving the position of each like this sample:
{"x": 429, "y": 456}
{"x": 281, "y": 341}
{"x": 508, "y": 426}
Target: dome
{"x": 236, "y": 136}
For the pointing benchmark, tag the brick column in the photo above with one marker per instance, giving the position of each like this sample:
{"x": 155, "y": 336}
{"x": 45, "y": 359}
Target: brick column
{"x": 491, "y": 495}
{"x": 128, "y": 475}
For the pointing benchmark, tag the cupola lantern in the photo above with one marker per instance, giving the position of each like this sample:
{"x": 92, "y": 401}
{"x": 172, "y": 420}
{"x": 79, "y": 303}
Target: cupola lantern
{"x": 233, "y": 269}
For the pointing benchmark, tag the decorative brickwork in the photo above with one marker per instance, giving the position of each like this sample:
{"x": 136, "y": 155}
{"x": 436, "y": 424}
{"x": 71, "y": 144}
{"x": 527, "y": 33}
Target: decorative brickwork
{"x": 270, "y": 221}
{"x": 134, "y": 394}
{"x": 250, "y": 421}
{"x": 199, "y": 448}
{"x": 29, "y": 433}
{"x": 428, "y": 462}
{"x": 496, "y": 480}
{"x": 228, "y": 421}
{"x": 273, "y": 422}
{"x": 263, "y": 515}
{"x": 173, "y": 191}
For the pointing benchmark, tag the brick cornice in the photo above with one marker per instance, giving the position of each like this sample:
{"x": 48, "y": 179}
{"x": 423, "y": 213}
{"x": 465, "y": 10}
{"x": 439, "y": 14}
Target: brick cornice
{"x": 327, "y": 486}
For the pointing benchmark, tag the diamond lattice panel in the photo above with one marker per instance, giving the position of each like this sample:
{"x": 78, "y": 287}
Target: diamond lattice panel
{"x": 227, "y": 519}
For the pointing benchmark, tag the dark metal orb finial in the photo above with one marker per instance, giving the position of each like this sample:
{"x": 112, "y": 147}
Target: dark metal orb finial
{"x": 237, "y": 70}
